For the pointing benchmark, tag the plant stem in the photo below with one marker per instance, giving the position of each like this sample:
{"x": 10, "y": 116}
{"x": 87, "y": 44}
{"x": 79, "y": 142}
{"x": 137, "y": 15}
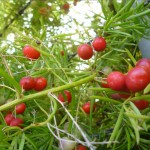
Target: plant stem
{"x": 45, "y": 92}
{"x": 77, "y": 126}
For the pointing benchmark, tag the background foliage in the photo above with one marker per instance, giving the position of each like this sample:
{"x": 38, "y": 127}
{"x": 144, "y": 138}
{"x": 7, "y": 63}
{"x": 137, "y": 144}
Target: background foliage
{"x": 47, "y": 26}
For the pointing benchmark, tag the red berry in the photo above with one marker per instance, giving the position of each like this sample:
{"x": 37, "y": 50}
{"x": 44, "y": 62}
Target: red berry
{"x": 141, "y": 104}
{"x": 137, "y": 79}
{"x": 8, "y": 118}
{"x": 66, "y": 96}
{"x": 40, "y": 83}
{"x": 27, "y": 83}
{"x": 87, "y": 106}
{"x": 125, "y": 95}
{"x": 43, "y": 11}
{"x": 62, "y": 53}
{"x": 20, "y": 108}
{"x": 85, "y": 51}
{"x": 115, "y": 96}
{"x": 104, "y": 83}
{"x": 145, "y": 62}
{"x": 99, "y": 44}
{"x": 66, "y": 6}
{"x": 116, "y": 81}
{"x": 30, "y": 52}
{"x": 16, "y": 122}
{"x": 120, "y": 95}
{"x": 81, "y": 147}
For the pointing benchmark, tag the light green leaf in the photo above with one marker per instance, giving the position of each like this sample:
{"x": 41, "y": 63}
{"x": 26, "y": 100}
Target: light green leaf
{"x": 117, "y": 126}
{"x": 147, "y": 89}
{"x": 11, "y": 80}
{"x": 21, "y": 146}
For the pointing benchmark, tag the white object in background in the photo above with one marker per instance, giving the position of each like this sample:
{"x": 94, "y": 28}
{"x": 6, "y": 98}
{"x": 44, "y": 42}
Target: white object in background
{"x": 144, "y": 46}
{"x": 144, "y": 43}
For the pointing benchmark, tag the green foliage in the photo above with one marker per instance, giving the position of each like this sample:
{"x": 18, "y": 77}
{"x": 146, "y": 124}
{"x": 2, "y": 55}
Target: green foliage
{"x": 47, "y": 27}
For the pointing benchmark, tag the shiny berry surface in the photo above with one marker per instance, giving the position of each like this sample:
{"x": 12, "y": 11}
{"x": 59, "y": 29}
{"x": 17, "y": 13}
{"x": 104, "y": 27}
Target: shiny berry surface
{"x": 20, "y": 108}
{"x": 65, "y": 96}
{"x": 85, "y": 51}
{"x": 16, "y": 122}
{"x": 81, "y": 147}
{"x": 144, "y": 62}
{"x": 8, "y": 118}
{"x": 30, "y": 52}
{"x": 99, "y": 44}
{"x": 141, "y": 104}
{"x": 40, "y": 83}
{"x": 27, "y": 83}
{"x": 137, "y": 79}
{"x": 87, "y": 106}
{"x": 116, "y": 81}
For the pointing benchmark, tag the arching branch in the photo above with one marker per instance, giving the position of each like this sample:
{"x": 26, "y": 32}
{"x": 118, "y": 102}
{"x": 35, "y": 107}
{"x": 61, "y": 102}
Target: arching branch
{"x": 19, "y": 13}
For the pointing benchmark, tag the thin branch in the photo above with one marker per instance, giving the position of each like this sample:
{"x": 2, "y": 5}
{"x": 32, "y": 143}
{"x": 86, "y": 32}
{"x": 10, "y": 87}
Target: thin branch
{"x": 55, "y": 122}
{"x": 78, "y": 127}
{"x": 19, "y": 13}
{"x": 75, "y": 139}
{"x": 88, "y": 143}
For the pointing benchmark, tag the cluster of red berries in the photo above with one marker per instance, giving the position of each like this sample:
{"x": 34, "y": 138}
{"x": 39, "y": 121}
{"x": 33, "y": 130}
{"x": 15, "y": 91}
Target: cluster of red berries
{"x": 135, "y": 80}
{"x": 30, "y": 83}
{"x": 11, "y": 120}
{"x": 66, "y": 96}
{"x": 85, "y": 51}
{"x": 27, "y": 83}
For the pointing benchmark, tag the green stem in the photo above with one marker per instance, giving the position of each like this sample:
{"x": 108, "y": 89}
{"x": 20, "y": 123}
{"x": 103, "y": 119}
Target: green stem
{"x": 45, "y": 92}
{"x": 117, "y": 126}
{"x": 106, "y": 99}
{"x": 139, "y": 15}
{"x": 144, "y": 97}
